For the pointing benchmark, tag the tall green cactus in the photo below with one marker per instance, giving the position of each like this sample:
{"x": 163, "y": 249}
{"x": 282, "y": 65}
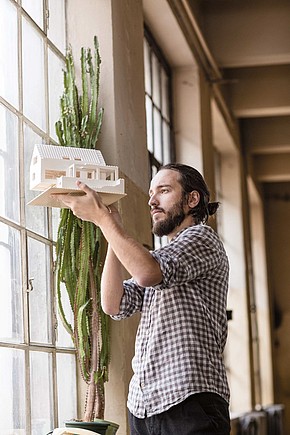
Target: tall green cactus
{"x": 79, "y": 243}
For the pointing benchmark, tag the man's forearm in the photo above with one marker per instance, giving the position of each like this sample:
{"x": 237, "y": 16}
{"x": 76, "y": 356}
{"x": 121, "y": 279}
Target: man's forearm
{"x": 136, "y": 259}
{"x": 111, "y": 284}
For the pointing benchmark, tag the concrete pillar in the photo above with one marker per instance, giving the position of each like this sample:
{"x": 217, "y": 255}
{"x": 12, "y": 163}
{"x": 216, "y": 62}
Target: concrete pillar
{"x": 193, "y": 123}
{"x": 119, "y": 28}
{"x": 237, "y": 357}
{"x": 187, "y": 116}
{"x": 207, "y": 134}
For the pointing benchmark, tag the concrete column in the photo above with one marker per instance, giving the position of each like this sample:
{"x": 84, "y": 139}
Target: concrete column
{"x": 237, "y": 353}
{"x": 119, "y": 28}
{"x": 207, "y": 134}
{"x": 193, "y": 123}
{"x": 187, "y": 116}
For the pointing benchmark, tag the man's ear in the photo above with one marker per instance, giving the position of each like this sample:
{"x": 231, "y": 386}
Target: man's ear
{"x": 193, "y": 199}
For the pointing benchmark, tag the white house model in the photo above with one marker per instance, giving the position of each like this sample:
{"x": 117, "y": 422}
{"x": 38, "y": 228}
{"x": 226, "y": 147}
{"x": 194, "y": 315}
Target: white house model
{"x": 55, "y": 169}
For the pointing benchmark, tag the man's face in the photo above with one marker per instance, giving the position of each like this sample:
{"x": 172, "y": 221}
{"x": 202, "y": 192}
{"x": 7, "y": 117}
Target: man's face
{"x": 166, "y": 202}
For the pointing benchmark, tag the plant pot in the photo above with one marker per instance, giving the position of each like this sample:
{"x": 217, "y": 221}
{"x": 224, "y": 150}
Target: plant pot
{"x": 101, "y": 427}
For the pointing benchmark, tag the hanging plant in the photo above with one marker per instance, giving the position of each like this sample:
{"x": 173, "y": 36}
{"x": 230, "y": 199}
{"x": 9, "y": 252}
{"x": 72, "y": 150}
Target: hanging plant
{"x": 78, "y": 246}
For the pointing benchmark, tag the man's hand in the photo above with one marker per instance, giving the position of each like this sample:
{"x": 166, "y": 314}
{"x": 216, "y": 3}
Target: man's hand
{"x": 88, "y": 207}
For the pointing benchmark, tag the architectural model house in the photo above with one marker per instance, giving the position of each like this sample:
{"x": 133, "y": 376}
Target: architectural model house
{"x": 55, "y": 169}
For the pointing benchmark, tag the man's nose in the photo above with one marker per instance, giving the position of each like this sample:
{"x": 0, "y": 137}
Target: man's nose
{"x": 152, "y": 200}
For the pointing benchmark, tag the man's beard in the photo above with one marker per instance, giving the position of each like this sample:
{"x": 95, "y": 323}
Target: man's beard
{"x": 175, "y": 217}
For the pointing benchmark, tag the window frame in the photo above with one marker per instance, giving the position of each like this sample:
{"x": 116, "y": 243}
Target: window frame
{"x": 25, "y": 344}
{"x": 156, "y": 50}
{"x": 154, "y": 163}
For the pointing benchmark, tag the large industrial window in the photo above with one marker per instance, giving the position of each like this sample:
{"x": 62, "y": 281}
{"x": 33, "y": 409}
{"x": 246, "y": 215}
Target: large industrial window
{"x": 158, "y": 110}
{"x": 35, "y": 352}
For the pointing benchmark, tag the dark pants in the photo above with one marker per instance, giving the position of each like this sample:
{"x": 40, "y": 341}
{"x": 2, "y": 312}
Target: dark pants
{"x": 202, "y": 413}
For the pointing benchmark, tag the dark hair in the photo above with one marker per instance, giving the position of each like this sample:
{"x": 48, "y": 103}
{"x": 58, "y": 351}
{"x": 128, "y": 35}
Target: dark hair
{"x": 191, "y": 180}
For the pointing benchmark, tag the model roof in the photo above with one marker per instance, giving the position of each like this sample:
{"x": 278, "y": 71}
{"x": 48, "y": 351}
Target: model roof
{"x": 60, "y": 152}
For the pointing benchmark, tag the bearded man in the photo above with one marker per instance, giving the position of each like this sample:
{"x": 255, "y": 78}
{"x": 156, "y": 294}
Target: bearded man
{"x": 179, "y": 383}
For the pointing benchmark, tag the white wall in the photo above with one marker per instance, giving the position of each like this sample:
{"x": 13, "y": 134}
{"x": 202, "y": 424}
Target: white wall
{"x": 187, "y": 116}
{"x": 261, "y": 294}
{"x": 237, "y": 349}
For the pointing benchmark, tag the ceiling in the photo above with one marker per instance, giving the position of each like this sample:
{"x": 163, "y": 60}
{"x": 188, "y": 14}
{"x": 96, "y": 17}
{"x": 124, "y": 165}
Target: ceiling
{"x": 249, "y": 42}
{"x": 243, "y": 47}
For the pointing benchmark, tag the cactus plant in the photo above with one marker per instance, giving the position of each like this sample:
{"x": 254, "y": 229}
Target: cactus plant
{"x": 78, "y": 247}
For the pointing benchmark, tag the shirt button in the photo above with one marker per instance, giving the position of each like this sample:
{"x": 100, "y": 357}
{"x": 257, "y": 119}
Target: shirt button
{"x": 142, "y": 385}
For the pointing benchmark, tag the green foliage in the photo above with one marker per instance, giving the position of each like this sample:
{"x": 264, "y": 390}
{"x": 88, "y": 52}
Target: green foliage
{"x": 79, "y": 243}
{"x": 81, "y": 120}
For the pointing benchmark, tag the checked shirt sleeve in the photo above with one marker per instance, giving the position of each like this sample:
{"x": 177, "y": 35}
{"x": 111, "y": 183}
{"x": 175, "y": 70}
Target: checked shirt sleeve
{"x": 191, "y": 255}
{"x": 131, "y": 301}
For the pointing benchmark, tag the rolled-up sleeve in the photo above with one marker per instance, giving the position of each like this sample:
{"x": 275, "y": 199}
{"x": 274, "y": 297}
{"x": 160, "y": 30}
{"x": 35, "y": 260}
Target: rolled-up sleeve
{"x": 131, "y": 301}
{"x": 187, "y": 258}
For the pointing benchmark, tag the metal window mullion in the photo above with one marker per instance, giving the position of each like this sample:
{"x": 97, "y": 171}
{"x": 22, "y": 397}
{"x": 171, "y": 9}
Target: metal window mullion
{"x": 47, "y": 119}
{"x": 54, "y": 389}
{"x": 20, "y": 120}
{"x": 25, "y": 286}
{"x": 170, "y": 121}
{"x": 161, "y": 114}
{"x": 45, "y": 17}
{"x": 50, "y": 289}
{"x": 25, "y": 304}
{"x": 151, "y": 98}
{"x": 54, "y": 299}
{"x": 12, "y": 224}
{"x": 38, "y": 237}
{"x": 47, "y": 111}
{"x": 38, "y": 347}
{"x": 27, "y": 392}
{"x": 45, "y": 62}
{"x": 65, "y": 21}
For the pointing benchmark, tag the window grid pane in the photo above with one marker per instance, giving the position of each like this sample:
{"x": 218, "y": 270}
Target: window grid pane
{"x": 56, "y": 29}
{"x": 11, "y": 318}
{"x": 157, "y": 79}
{"x": 35, "y": 10}
{"x": 30, "y": 395}
{"x": 157, "y": 135}
{"x": 33, "y": 75}
{"x": 9, "y": 166}
{"x": 55, "y": 89}
{"x": 67, "y": 403}
{"x": 35, "y": 217}
{"x": 8, "y": 51}
{"x": 41, "y": 392}
{"x": 40, "y": 295}
{"x": 158, "y": 110}
{"x": 147, "y": 66}
{"x": 149, "y": 124}
{"x": 12, "y": 375}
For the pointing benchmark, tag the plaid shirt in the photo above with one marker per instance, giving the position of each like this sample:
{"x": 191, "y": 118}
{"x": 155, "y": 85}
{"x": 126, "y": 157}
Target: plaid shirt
{"x": 183, "y": 326}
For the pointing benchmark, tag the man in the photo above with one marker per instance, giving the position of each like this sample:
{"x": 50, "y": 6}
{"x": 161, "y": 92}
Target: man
{"x": 179, "y": 383}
